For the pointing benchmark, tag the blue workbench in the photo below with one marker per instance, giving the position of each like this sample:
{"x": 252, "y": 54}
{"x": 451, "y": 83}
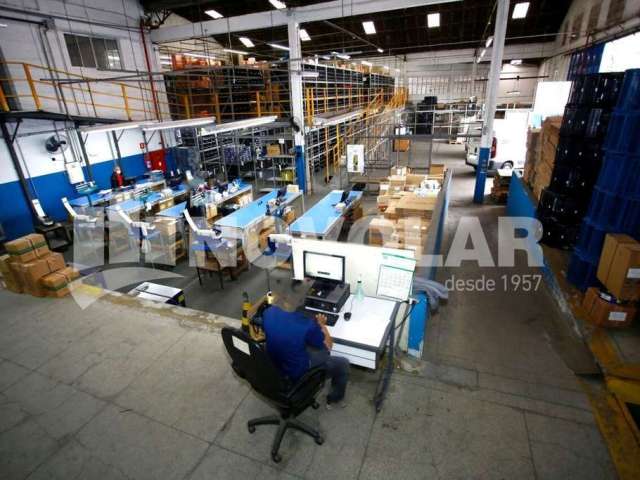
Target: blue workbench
{"x": 253, "y": 212}
{"x": 320, "y": 219}
{"x": 173, "y": 212}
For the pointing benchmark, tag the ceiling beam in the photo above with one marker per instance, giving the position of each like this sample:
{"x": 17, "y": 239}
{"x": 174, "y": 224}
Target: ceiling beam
{"x": 276, "y": 18}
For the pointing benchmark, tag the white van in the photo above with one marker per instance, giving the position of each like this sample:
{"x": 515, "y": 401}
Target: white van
{"x": 509, "y": 146}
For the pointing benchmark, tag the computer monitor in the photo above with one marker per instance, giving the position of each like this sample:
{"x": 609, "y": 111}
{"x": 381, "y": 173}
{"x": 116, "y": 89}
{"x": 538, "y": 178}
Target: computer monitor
{"x": 323, "y": 266}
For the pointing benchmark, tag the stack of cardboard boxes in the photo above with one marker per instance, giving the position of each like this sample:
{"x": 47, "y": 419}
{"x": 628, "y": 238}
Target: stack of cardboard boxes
{"x": 406, "y": 209}
{"x": 500, "y": 187}
{"x": 30, "y": 267}
{"x": 541, "y": 155}
{"x": 619, "y": 272}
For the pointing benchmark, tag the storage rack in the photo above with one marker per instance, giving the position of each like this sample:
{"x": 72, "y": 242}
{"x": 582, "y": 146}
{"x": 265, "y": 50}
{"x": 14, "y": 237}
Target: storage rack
{"x": 246, "y": 91}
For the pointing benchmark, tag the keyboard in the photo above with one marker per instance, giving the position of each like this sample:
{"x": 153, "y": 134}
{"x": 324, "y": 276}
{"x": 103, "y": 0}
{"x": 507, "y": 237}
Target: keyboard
{"x": 332, "y": 318}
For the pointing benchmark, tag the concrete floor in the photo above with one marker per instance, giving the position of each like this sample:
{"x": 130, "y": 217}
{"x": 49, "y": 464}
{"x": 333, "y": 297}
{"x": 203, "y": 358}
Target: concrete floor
{"x": 118, "y": 391}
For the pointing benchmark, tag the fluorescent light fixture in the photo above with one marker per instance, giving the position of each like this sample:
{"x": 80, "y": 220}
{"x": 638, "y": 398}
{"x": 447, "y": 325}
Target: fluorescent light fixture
{"x": 110, "y": 127}
{"x": 516, "y": 62}
{"x": 369, "y": 28}
{"x": 165, "y": 62}
{"x": 520, "y": 10}
{"x": 514, "y": 92}
{"x": 239, "y": 125}
{"x": 397, "y": 70}
{"x": 343, "y": 56}
{"x": 190, "y": 122}
{"x": 484, "y": 50}
{"x": 336, "y": 119}
{"x": 368, "y": 64}
{"x": 213, "y": 14}
{"x": 433, "y": 20}
{"x": 280, "y": 47}
{"x": 277, "y": 4}
{"x": 380, "y": 50}
{"x": 386, "y": 67}
{"x": 310, "y": 74}
{"x": 304, "y": 36}
{"x": 3, "y": 25}
{"x": 246, "y": 42}
{"x": 325, "y": 57}
{"x": 199, "y": 55}
{"x": 489, "y": 42}
{"x": 239, "y": 52}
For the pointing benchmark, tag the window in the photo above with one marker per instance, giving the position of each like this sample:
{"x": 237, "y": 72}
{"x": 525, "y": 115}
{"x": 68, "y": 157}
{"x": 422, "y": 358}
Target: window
{"x": 594, "y": 15}
{"x": 93, "y": 52}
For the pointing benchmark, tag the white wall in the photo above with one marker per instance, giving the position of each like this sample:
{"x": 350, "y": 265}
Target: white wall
{"x": 115, "y": 19}
{"x": 557, "y": 65}
{"x": 22, "y": 42}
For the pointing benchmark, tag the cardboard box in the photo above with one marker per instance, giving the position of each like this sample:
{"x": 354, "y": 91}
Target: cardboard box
{"x": 27, "y": 248}
{"x": 414, "y": 206}
{"x": 602, "y": 312}
{"x": 56, "y": 284}
{"x": 289, "y": 217}
{"x": 168, "y": 227}
{"x": 263, "y": 238}
{"x": 380, "y": 231}
{"x": 273, "y": 150}
{"x": 28, "y": 274}
{"x": 401, "y": 145}
{"x": 437, "y": 169}
{"x": 211, "y": 211}
{"x": 619, "y": 267}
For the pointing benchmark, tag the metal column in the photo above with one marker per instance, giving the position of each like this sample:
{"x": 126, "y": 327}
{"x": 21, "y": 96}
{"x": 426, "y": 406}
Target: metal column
{"x": 502, "y": 16}
{"x": 297, "y": 111}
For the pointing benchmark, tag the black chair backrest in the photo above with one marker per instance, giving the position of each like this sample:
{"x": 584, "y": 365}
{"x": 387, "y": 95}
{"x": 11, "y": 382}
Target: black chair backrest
{"x": 251, "y": 361}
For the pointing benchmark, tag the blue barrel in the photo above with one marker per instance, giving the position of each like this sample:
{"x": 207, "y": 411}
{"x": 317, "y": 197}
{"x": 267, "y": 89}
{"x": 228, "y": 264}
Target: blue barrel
{"x": 581, "y": 271}
{"x": 620, "y": 173}
{"x": 623, "y": 134}
{"x": 629, "y": 98}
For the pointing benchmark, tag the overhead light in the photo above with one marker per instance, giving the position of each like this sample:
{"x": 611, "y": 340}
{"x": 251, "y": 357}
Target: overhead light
{"x": 343, "y": 56}
{"x": 110, "y": 127}
{"x": 368, "y": 64}
{"x": 369, "y": 28}
{"x": 489, "y": 42}
{"x": 325, "y": 57}
{"x": 516, "y": 62}
{"x": 199, "y": 55}
{"x": 304, "y": 36}
{"x": 277, "y": 4}
{"x": 484, "y": 50}
{"x": 213, "y": 14}
{"x": 320, "y": 121}
{"x": 380, "y": 50}
{"x": 246, "y": 42}
{"x": 310, "y": 74}
{"x": 514, "y": 92}
{"x": 165, "y": 62}
{"x": 190, "y": 122}
{"x": 386, "y": 67}
{"x": 239, "y": 125}
{"x": 397, "y": 70}
{"x": 433, "y": 20}
{"x": 275, "y": 45}
{"x": 239, "y": 52}
{"x": 520, "y": 10}
{"x": 3, "y": 25}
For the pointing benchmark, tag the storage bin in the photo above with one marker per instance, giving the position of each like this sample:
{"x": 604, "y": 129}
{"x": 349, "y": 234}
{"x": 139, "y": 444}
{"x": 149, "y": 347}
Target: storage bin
{"x": 591, "y": 239}
{"x": 620, "y": 173}
{"x": 629, "y": 98}
{"x": 581, "y": 271}
{"x": 623, "y": 134}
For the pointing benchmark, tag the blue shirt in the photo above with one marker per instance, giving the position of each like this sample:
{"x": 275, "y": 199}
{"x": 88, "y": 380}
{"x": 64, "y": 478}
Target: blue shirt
{"x": 288, "y": 334}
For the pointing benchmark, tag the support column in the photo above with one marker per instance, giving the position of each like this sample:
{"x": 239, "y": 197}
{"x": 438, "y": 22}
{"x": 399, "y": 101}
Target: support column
{"x": 297, "y": 109}
{"x": 502, "y": 16}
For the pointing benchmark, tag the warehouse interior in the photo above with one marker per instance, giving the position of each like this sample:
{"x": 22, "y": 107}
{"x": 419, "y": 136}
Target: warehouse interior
{"x": 319, "y": 239}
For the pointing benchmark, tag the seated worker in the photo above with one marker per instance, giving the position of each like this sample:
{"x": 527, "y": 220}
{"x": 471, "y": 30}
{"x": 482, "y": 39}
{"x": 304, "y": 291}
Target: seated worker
{"x": 117, "y": 179}
{"x": 297, "y": 343}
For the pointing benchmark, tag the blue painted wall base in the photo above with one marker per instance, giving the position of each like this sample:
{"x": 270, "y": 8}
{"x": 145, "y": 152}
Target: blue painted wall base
{"x": 15, "y": 214}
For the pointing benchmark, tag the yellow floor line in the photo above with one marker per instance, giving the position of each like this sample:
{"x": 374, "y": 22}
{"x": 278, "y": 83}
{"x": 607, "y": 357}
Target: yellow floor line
{"x": 620, "y": 436}
{"x": 608, "y": 358}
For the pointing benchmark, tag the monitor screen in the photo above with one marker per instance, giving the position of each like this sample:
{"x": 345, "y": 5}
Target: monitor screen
{"x": 324, "y": 266}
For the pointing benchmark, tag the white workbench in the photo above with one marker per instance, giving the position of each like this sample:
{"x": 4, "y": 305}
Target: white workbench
{"x": 363, "y": 338}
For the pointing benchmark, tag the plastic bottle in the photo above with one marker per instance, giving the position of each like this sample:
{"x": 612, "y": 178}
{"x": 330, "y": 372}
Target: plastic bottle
{"x": 359, "y": 291}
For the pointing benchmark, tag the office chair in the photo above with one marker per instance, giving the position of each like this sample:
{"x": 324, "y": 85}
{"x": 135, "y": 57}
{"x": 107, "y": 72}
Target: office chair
{"x": 250, "y": 360}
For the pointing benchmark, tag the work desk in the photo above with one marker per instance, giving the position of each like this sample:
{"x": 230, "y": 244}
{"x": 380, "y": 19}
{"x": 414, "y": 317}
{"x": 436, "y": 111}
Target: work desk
{"x": 363, "y": 338}
{"x": 253, "y": 212}
{"x": 133, "y": 206}
{"x": 321, "y": 220}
